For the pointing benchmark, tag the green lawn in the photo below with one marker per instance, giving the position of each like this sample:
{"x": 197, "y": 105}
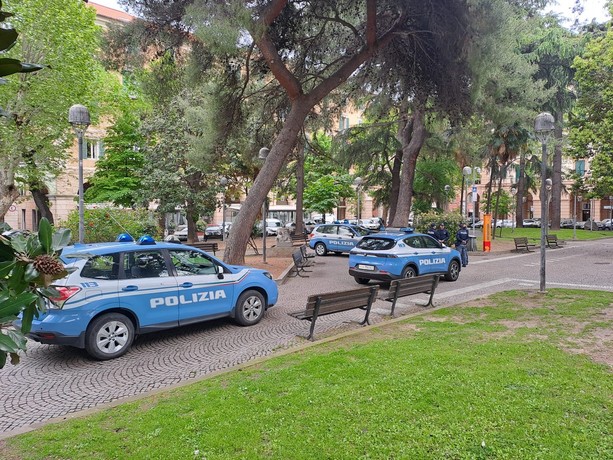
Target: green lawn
{"x": 493, "y": 379}
{"x": 563, "y": 234}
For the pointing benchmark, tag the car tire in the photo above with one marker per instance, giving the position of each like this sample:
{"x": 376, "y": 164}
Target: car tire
{"x": 109, "y": 336}
{"x": 320, "y": 249}
{"x": 409, "y": 272}
{"x": 249, "y": 308}
{"x": 453, "y": 272}
{"x": 361, "y": 280}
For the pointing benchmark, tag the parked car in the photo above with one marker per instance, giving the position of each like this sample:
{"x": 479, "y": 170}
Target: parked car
{"x": 387, "y": 256}
{"x": 607, "y": 224}
{"x": 272, "y": 226}
{"x": 216, "y": 230}
{"x": 504, "y": 223}
{"x": 119, "y": 290}
{"x": 478, "y": 224}
{"x": 567, "y": 223}
{"x": 309, "y": 225}
{"x": 335, "y": 238}
{"x": 181, "y": 233}
{"x": 374, "y": 223}
{"x": 527, "y": 223}
{"x": 592, "y": 224}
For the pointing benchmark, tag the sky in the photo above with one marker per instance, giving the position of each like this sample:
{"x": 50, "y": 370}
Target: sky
{"x": 593, "y": 8}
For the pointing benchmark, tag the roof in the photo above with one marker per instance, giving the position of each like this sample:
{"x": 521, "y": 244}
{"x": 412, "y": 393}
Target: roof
{"x": 106, "y": 14}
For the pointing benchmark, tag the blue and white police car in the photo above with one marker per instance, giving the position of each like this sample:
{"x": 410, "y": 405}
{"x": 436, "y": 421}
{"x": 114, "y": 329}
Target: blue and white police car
{"x": 335, "y": 238}
{"x": 403, "y": 254}
{"x": 121, "y": 289}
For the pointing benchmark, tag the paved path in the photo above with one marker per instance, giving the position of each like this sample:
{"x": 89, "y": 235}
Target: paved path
{"x": 53, "y": 381}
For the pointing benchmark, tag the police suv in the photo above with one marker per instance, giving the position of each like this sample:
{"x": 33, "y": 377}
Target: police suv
{"x": 121, "y": 289}
{"x": 335, "y": 238}
{"x": 403, "y": 254}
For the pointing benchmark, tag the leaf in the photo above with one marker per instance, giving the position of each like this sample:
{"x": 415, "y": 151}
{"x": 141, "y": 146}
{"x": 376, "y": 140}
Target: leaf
{"x": 7, "y": 344}
{"x": 45, "y": 235}
{"x": 61, "y": 239}
{"x": 8, "y": 37}
{"x": 30, "y": 273}
{"x": 13, "y": 305}
{"x": 6, "y": 267}
{"x": 16, "y": 281}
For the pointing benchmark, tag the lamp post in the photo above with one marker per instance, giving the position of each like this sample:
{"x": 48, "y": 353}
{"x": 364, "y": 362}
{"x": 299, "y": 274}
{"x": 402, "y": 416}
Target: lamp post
{"x": 223, "y": 182}
{"x": 611, "y": 211}
{"x": 262, "y": 155}
{"x": 513, "y": 193}
{"x": 78, "y": 117}
{"x": 544, "y": 125}
{"x": 357, "y": 182}
{"x": 578, "y": 198}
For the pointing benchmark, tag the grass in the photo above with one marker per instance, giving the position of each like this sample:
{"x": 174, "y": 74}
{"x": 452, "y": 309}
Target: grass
{"x": 565, "y": 234}
{"x": 488, "y": 380}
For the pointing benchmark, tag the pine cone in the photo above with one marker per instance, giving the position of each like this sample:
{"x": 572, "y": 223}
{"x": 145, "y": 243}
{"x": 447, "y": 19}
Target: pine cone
{"x": 48, "y": 265}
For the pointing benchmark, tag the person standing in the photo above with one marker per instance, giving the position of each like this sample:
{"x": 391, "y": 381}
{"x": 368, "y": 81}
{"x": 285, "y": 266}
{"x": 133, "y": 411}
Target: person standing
{"x": 431, "y": 230}
{"x": 441, "y": 235}
{"x": 461, "y": 243}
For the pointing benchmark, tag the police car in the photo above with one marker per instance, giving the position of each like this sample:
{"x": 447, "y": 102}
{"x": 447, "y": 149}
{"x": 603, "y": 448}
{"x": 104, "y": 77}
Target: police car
{"x": 121, "y": 289}
{"x": 403, "y": 254}
{"x": 335, "y": 238}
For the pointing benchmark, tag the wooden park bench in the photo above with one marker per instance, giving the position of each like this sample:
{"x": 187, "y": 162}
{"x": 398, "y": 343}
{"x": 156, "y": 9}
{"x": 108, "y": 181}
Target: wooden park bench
{"x": 553, "y": 242}
{"x": 522, "y": 243}
{"x": 299, "y": 239}
{"x": 425, "y": 284}
{"x": 336, "y": 302}
{"x": 208, "y": 247}
{"x": 300, "y": 264}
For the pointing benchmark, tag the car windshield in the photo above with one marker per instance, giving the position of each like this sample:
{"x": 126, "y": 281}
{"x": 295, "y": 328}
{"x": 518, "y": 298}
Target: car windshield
{"x": 376, "y": 244}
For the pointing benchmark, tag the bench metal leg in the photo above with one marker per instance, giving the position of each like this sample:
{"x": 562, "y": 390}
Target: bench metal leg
{"x": 313, "y": 319}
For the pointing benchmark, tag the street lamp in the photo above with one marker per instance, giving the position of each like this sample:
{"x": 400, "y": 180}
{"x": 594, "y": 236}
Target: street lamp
{"x": 578, "y": 198}
{"x": 223, "y": 182}
{"x": 78, "y": 117}
{"x": 513, "y": 193}
{"x": 611, "y": 211}
{"x": 357, "y": 182}
{"x": 262, "y": 155}
{"x": 544, "y": 125}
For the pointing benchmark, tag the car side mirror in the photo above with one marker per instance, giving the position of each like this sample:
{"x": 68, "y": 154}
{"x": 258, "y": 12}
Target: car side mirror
{"x": 219, "y": 270}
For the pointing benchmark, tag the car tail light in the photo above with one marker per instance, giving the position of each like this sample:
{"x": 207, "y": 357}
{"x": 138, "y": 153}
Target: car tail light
{"x": 311, "y": 235}
{"x": 64, "y": 293}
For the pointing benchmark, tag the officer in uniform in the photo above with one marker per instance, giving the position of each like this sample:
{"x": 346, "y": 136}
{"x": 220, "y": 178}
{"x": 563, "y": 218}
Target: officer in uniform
{"x": 441, "y": 235}
{"x": 461, "y": 243}
{"x": 431, "y": 230}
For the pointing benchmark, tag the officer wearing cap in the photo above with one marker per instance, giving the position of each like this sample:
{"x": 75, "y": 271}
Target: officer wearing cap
{"x": 461, "y": 243}
{"x": 442, "y": 235}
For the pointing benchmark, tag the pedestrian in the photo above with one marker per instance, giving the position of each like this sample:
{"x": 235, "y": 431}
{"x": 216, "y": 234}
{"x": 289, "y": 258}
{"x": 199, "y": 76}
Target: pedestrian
{"x": 441, "y": 235}
{"x": 431, "y": 230}
{"x": 461, "y": 243}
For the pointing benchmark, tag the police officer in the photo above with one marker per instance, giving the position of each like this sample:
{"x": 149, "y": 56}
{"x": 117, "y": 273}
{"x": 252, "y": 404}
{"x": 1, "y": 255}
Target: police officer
{"x": 461, "y": 243}
{"x": 431, "y": 230}
{"x": 442, "y": 235}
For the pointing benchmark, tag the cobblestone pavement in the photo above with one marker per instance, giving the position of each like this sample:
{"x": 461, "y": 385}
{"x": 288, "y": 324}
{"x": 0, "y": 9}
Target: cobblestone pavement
{"x": 54, "y": 381}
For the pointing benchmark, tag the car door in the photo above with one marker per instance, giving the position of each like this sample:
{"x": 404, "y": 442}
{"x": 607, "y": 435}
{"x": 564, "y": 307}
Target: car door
{"x": 147, "y": 288}
{"x": 346, "y": 239}
{"x": 433, "y": 257}
{"x": 202, "y": 292}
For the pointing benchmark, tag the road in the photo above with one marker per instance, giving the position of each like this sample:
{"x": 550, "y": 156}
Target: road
{"x": 53, "y": 382}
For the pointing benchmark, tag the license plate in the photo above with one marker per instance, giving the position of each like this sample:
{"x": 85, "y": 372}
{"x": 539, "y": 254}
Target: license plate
{"x": 365, "y": 267}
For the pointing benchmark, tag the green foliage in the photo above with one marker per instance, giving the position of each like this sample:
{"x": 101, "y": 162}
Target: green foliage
{"x": 452, "y": 221}
{"x": 104, "y": 224}
{"x": 28, "y": 265}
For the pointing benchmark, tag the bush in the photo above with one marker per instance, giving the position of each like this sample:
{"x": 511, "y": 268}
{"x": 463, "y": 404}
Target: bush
{"x": 452, "y": 221}
{"x": 104, "y": 224}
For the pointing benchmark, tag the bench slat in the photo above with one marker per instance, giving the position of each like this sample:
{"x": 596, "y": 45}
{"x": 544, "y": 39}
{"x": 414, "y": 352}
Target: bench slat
{"x": 425, "y": 284}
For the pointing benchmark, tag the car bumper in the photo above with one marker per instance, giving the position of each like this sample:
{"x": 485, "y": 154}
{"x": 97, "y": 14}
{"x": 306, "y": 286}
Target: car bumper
{"x": 373, "y": 275}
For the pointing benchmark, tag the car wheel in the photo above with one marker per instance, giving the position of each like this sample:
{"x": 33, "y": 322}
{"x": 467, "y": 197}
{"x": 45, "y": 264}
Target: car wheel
{"x": 453, "y": 272}
{"x": 109, "y": 336}
{"x": 409, "y": 272}
{"x": 249, "y": 308}
{"x": 320, "y": 249}
{"x": 361, "y": 280}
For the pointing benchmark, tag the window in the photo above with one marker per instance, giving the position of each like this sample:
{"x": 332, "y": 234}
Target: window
{"x": 376, "y": 244}
{"x": 94, "y": 149}
{"x": 343, "y": 123}
{"x": 144, "y": 264}
{"x": 580, "y": 167}
{"x": 101, "y": 267}
{"x": 192, "y": 263}
{"x": 345, "y": 231}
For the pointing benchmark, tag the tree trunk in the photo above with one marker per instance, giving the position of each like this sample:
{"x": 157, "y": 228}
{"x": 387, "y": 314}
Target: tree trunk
{"x": 496, "y": 208}
{"x": 521, "y": 181}
{"x": 191, "y": 216}
{"x": 395, "y": 188}
{"x": 8, "y": 194}
{"x": 410, "y": 152}
{"x": 42, "y": 203}
{"x": 281, "y": 147}
{"x": 300, "y": 188}
{"x": 556, "y": 178}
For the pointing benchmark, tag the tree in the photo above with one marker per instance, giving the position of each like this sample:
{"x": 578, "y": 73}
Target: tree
{"x": 35, "y": 132}
{"x": 591, "y": 127}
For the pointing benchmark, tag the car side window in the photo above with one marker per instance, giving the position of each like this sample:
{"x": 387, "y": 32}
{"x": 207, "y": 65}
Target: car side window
{"x": 414, "y": 242}
{"x": 144, "y": 264}
{"x": 430, "y": 243}
{"x": 327, "y": 229}
{"x": 345, "y": 231}
{"x": 188, "y": 263}
{"x": 102, "y": 267}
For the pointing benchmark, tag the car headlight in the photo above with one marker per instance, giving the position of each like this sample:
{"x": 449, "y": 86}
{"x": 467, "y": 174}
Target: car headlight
{"x": 267, "y": 275}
